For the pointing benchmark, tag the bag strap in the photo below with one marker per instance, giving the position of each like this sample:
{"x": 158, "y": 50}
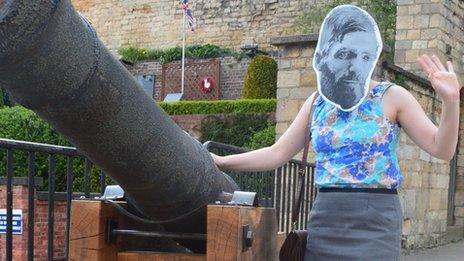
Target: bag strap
{"x": 302, "y": 167}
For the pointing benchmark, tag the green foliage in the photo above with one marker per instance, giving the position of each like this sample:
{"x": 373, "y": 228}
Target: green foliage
{"x": 383, "y": 11}
{"x": 19, "y": 123}
{"x": 133, "y": 54}
{"x": 263, "y": 138}
{"x": 217, "y": 107}
{"x": 261, "y": 78}
{"x": 236, "y": 129}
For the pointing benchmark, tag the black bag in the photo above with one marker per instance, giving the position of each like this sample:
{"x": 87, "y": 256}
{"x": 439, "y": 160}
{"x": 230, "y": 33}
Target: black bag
{"x": 294, "y": 246}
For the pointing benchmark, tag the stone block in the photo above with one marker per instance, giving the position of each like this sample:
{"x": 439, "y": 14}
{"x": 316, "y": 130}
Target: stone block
{"x": 410, "y": 203}
{"x": 308, "y": 78}
{"x": 459, "y": 211}
{"x": 301, "y": 93}
{"x": 404, "y": 2}
{"x": 283, "y": 64}
{"x": 436, "y": 20}
{"x": 419, "y": 44}
{"x": 404, "y": 22}
{"x": 411, "y": 55}
{"x": 413, "y": 34}
{"x": 421, "y": 21}
{"x": 414, "y": 9}
{"x": 404, "y": 44}
{"x": 292, "y": 52}
{"x": 286, "y": 79}
{"x": 459, "y": 198}
{"x": 442, "y": 181}
{"x": 431, "y": 8}
{"x": 281, "y": 127}
{"x": 283, "y": 93}
{"x": 287, "y": 110}
{"x": 300, "y": 63}
{"x": 435, "y": 199}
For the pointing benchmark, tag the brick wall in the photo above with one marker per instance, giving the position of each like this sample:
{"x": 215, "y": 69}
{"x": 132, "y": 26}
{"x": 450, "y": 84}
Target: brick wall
{"x": 20, "y": 201}
{"x": 232, "y": 75}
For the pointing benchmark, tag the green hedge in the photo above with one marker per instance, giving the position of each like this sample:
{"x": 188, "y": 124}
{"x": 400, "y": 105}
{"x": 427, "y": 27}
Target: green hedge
{"x": 134, "y": 54}
{"x": 234, "y": 129}
{"x": 263, "y": 138}
{"x": 19, "y": 123}
{"x": 219, "y": 107}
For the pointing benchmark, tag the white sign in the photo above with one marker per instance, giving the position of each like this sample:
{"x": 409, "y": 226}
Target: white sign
{"x": 17, "y": 221}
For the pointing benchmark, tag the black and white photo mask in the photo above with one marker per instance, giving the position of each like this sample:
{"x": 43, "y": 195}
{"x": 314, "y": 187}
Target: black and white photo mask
{"x": 347, "y": 51}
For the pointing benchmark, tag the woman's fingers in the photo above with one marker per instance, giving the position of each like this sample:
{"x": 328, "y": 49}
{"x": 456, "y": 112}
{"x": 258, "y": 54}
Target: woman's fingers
{"x": 430, "y": 63}
{"x": 424, "y": 65}
{"x": 438, "y": 63}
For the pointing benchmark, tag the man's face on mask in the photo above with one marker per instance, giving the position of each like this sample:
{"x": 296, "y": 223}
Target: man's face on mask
{"x": 344, "y": 71}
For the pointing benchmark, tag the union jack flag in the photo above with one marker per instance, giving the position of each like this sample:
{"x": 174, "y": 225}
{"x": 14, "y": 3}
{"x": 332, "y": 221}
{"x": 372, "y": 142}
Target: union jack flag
{"x": 188, "y": 14}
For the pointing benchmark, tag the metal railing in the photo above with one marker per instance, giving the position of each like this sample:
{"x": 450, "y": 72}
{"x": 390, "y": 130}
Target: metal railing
{"x": 274, "y": 188}
{"x": 53, "y": 151}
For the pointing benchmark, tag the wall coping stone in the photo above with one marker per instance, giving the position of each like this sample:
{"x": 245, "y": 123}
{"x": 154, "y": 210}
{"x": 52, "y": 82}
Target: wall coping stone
{"x": 22, "y": 181}
{"x": 307, "y": 38}
{"x": 424, "y": 82}
{"x": 61, "y": 196}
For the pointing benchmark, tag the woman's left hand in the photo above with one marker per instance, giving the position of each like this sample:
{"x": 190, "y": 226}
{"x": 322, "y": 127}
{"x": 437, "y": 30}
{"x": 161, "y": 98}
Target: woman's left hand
{"x": 443, "y": 80}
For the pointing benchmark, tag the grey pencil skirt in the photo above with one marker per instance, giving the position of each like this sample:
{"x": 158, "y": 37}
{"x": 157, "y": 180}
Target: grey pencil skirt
{"x": 347, "y": 226}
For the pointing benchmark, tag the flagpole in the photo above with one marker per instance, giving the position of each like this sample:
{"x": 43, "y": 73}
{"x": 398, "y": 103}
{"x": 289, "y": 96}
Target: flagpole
{"x": 183, "y": 52}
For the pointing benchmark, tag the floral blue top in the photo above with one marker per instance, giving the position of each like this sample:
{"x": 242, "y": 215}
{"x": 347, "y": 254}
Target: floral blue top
{"x": 356, "y": 149}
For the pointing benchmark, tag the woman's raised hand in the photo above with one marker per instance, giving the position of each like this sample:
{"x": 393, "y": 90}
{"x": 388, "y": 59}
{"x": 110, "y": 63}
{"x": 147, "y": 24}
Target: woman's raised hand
{"x": 443, "y": 80}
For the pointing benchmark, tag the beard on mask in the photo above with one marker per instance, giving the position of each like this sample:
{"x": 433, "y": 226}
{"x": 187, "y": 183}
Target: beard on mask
{"x": 341, "y": 91}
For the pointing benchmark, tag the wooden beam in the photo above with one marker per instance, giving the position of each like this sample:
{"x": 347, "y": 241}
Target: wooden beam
{"x": 87, "y": 233}
{"x": 225, "y": 240}
{"x": 159, "y": 256}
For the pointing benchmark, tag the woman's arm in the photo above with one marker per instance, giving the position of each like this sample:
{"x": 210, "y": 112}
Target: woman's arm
{"x": 269, "y": 158}
{"x": 439, "y": 142}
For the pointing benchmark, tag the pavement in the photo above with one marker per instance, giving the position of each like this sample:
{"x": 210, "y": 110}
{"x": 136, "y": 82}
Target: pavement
{"x": 449, "y": 252}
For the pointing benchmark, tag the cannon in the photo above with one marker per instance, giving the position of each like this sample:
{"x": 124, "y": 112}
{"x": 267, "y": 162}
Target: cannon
{"x": 52, "y": 62}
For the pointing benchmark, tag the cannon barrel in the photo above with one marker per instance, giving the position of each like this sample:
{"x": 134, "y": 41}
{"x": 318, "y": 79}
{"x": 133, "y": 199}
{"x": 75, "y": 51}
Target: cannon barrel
{"x": 53, "y": 63}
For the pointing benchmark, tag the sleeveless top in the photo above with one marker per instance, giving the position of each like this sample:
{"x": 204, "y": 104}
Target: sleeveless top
{"x": 356, "y": 149}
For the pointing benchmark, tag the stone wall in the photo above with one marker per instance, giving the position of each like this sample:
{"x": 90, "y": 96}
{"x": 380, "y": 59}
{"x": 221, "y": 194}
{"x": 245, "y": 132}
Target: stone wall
{"x": 424, "y": 194}
{"x": 433, "y": 26}
{"x": 233, "y": 73}
{"x": 158, "y": 24}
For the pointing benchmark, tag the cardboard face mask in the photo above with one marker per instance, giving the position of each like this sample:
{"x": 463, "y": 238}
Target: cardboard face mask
{"x": 348, "y": 49}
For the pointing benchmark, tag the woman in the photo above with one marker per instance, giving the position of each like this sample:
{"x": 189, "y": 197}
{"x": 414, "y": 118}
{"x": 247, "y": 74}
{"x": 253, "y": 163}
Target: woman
{"x": 357, "y": 214}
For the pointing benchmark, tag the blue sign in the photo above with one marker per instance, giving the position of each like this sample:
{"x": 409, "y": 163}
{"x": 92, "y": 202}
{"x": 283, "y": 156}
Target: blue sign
{"x": 17, "y": 223}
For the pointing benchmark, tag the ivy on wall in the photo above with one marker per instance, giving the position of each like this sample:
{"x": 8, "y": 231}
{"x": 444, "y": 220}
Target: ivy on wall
{"x": 383, "y": 11}
{"x": 133, "y": 54}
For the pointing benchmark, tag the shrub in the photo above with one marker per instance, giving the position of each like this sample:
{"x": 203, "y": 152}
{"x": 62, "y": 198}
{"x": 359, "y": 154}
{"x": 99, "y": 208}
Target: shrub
{"x": 19, "y": 123}
{"x": 263, "y": 138}
{"x": 219, "y": 107}
{"x": 134, "y": 54}
{"x": 261, "y": 78}
{"x": 234, "y": 129}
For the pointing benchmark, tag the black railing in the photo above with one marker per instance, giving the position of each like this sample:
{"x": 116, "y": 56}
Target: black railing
{"x": 274, "y": 188}
{"x": 52, "y": 151}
